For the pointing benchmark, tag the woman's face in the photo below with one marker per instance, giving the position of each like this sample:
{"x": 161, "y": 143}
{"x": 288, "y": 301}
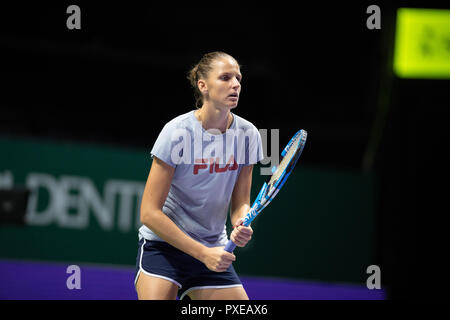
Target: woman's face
{"x": 223, "y": 85}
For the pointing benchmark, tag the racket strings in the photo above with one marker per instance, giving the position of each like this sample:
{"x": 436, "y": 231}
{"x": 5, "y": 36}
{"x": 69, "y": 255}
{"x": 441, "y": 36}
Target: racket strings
{"x": 284, "y": 162}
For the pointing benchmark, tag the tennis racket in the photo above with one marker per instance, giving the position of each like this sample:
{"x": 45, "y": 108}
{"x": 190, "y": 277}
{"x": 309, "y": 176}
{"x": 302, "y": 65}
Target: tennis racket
{"x": 271, "y": 187}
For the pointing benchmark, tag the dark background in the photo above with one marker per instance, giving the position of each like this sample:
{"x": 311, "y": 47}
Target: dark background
{"x": 311, "y": 65}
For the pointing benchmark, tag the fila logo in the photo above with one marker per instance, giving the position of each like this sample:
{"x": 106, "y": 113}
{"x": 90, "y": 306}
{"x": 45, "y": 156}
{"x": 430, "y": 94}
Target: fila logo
{"x": 214, "y": 165}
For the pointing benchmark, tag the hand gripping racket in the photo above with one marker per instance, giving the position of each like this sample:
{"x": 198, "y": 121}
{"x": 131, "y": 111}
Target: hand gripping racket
{"x": 271, "y": 187}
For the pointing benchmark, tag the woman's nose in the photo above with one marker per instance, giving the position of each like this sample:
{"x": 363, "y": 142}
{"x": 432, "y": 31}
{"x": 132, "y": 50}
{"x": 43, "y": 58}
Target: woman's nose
{"x": 236, "y": 83}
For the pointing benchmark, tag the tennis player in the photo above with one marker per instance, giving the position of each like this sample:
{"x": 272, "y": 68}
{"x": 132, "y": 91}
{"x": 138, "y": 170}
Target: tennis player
{"x": 201, "y": 170}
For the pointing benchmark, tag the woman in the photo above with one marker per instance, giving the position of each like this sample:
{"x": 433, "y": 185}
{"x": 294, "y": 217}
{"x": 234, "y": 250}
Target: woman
{"x": 190, "y": 187}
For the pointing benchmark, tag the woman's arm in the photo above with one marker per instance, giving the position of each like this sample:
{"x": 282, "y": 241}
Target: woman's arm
{"x": 152, "y": 216}
{"x": 240, "y": 205}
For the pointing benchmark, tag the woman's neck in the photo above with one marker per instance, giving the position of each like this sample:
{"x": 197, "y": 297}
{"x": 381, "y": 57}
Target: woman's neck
{"x": 214, "y": 118}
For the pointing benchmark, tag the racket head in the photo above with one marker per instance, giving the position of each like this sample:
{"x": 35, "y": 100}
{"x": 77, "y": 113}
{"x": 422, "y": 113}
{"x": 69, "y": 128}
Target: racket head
{"x": 292, "y": 153}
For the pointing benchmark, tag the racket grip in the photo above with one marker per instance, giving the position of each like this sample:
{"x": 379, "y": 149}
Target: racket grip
{"x": 230, "y": 246}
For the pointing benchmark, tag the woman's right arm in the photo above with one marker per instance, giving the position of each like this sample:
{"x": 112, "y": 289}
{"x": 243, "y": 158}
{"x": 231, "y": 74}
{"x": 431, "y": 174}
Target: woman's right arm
{"x": 155, "y": 194}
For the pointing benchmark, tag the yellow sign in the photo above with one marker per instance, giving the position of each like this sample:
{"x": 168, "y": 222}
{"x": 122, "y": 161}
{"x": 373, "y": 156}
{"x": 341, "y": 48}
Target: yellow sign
{"x": 422, "y": 43}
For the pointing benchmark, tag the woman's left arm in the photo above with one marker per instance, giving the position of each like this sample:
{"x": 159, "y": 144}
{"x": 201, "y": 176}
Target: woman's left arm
{"x": 240, "y": 205}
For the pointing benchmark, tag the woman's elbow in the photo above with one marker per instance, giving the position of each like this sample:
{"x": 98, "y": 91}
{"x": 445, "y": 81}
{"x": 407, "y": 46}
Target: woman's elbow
{"x": 147, "y": 216}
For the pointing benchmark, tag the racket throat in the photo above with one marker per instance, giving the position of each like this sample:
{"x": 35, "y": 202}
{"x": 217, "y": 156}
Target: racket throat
{"x": 250, "y": 216}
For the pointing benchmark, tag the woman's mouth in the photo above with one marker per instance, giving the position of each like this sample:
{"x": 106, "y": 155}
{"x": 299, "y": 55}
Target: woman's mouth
{"x": 233, "y": 96}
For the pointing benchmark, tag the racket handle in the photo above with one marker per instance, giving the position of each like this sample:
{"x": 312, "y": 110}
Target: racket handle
{"x": 230, "y": 246}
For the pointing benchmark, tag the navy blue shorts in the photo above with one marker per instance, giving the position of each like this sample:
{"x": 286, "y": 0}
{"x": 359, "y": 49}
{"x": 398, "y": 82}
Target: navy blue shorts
{"x": 160, "y": 259}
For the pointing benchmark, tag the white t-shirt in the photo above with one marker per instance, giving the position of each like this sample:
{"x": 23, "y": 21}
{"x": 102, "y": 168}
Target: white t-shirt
{"x": 206, "y": 166}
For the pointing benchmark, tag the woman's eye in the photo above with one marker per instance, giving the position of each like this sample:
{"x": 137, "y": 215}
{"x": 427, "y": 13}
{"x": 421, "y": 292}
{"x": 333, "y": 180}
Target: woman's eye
{"x": 228, "y": 78}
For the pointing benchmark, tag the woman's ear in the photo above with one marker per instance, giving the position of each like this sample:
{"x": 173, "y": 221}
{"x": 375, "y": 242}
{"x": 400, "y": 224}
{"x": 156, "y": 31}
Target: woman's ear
{"x": 202, "y": 86}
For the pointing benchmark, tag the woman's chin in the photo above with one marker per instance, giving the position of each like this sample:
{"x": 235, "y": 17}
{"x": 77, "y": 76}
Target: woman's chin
{"x": 233, "y": 105}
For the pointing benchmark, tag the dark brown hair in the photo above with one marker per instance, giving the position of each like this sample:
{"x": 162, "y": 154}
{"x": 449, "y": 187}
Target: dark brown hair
{"x": 201, "y": 70}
